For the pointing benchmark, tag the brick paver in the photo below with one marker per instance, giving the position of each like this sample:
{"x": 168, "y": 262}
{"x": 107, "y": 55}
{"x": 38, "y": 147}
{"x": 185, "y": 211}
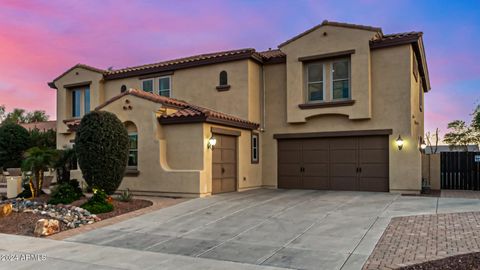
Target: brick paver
{"x": 414, "y": 239}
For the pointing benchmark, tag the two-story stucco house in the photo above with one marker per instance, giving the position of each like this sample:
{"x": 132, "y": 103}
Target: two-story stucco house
{"x": 323, "y": 111}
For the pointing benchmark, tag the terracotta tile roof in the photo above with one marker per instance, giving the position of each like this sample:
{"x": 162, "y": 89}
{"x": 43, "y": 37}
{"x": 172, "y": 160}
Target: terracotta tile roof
{"x": 42, "y": 126}
{"x": 146, "y": 95}
{"x": 194, "y": 113}
{"x": 72, "y": 124}
{"x": 272, "y": 54}
{"x": 394, "y": 39}
{"x": 339, "y": 24}
{"x": 186, "y": 113}
{"x": 184, "y": 60}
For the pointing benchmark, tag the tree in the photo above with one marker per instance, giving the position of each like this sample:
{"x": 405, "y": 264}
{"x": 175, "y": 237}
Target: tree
{"x": 36, "y": 116}
{"x": 102, "y": 145}
{"x": 460, "y": 135}
{"x": 16, "y": 116}
{"x": 46, "y": 139}
{"x": 20, "y": 116}
{"x": 2, "y": 113}
{"x": 38, "y": 160}
{"x": 14, "y": 140}
{"x": 432, "y": 137}
{"x": 476, "y": 119}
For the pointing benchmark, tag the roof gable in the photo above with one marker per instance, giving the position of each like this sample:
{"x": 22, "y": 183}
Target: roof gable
{"x": 83, "y": 66}
{"x": 337, "y": 24}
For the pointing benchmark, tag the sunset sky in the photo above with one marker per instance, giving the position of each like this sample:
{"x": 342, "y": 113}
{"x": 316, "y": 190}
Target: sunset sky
{"x": 41, "y": 39}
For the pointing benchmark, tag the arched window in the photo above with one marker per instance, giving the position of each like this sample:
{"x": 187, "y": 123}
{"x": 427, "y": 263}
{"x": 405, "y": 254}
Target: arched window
{"x": 133, "y": 149}
{"x": 223, "y": 78}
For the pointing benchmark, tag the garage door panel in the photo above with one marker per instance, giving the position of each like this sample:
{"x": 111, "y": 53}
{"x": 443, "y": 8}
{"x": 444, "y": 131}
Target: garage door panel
{"x": 316, "y": 144}
{"x": 228, "y": 184}
{"x": 229, "y": 170}
{"x": 343, "y": 156}
{"x": 290, "y": 145}
{"x": 293, "y": 156}
{"x": 289, "y": 182}
{"x": 373, "y": 156}
{"x": 315, "y": 156}
{"x": 228, "y": 155}
{"x": 315, "y": 169}
{"x": 228, "y": 142}
{"x": 343, "y": 183}
{"x": 374, "y": 170}
{"x": 343, "y": 143}
{"x": 343, "y": 170}
{"x": 315, "y": 182}
{"x": 373, "y": 184}
{"x": 289, "y": 170}
{"x": 373, "y": 142}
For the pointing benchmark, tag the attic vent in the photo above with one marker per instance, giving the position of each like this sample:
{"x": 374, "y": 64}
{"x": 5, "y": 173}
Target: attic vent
{"x": 123, "y": 88}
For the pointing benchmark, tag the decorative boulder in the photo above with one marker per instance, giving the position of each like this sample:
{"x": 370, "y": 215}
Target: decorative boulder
{"x": 5, "y": 209}
{"x": 45, "y": 227}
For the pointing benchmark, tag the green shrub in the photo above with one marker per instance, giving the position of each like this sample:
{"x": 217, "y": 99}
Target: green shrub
{"x": 125, "y": 196}
{"x": 98, "y": 204}
{"x": 66, "y": 193}
{"x": 14, "y": 140}
{"x": 102, "y": 146}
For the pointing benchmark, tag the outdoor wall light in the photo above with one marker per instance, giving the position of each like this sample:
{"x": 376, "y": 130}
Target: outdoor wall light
{"x": 211, "y": 142}
{"x": 399, "y": 142}
{"x": 423, "y": 145}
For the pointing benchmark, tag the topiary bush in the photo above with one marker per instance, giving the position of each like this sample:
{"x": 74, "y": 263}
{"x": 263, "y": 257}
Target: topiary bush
{"x": 98, "y": 203}
{"x": 14, "y": 140}
{"x": 102, "y": 146}
{"x": 66, "y": 193}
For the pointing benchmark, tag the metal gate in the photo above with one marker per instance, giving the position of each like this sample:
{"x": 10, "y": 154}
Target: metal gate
{"x": 460, "y": 170}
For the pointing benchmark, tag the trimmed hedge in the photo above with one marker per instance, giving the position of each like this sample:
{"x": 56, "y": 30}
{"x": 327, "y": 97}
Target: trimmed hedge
{"x": 14, "y": 141}
{"x": 102, "y": 145}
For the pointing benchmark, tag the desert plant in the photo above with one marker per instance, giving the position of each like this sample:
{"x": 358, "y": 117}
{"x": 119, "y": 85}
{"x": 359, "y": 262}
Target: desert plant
{"x": 14, "y": 141}
{"x": 125, "y": 196}
{"x": 64, "y": 163}
{"x": 38, "y": 160}
{"x": 98, "y": 203}
{"x": 102, "y": 145}
{"x": 66, "y": 192}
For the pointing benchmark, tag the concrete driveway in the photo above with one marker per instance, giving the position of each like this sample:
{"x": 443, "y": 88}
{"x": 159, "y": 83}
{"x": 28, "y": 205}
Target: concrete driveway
{"x": 299, "y": 229}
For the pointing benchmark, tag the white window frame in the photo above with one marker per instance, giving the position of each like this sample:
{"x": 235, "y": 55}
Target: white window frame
{"x": 307, "y": 83}
{"x": 129, "y": 150}
{"x": 349, "y": 79}
{"x": 255, "y": 149}
{"x": 153, "y": 84}
{"x": 170, "y": 83}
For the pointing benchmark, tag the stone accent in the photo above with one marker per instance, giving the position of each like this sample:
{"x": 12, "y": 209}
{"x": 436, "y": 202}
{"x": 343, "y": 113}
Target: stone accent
{"x": 415, "y": 239}
{"x": 45, "y": 227}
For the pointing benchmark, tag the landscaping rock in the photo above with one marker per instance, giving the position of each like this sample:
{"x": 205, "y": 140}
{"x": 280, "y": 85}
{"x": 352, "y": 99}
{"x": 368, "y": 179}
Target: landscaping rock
{"x": 5, "y": 209}
{"x": 45, "y": 227}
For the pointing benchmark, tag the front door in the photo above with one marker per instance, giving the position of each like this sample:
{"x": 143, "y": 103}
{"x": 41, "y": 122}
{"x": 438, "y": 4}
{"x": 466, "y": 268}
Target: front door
{"x": 224, "y": 164}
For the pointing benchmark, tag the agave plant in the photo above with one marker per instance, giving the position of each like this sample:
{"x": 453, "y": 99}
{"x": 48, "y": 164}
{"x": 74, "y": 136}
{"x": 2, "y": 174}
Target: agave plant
{"x": 38, "y": 160}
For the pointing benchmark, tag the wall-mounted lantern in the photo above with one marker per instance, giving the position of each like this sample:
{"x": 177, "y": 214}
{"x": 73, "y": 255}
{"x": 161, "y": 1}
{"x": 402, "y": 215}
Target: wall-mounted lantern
{"x": 399, "y": 142}
{"x": 212, "y": 142}
{"x": 423, "y": 145}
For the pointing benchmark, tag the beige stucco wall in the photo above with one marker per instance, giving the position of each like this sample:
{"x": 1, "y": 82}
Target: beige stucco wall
{"x": 198, "y": 86}
{"x": 316, "y": 43}
{"x": 431, "y": 170}
{"x": 391, "y": 98}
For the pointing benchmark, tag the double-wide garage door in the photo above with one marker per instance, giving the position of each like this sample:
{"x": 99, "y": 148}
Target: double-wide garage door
{"x": 342, "y": 163}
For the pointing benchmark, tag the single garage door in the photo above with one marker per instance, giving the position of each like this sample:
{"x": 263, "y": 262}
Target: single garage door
{"x": 343, "y": 163}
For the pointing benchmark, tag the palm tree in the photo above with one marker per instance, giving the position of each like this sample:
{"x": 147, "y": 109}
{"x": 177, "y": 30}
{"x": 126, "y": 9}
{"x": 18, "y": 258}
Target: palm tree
{"x": 38, "y": 160}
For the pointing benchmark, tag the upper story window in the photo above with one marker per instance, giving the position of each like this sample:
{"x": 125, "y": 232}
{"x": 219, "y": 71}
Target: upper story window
{"x": 340, "y": 79}
{"x": 160, "y": 86}
{"x": 147, "y": 85}
{"x": 315, "y": 83}
{"x": 80, "y": 101}
{"x": 223, "y": 78}
{"x": 164, "y": 86}
{"x": 255, "y": 148}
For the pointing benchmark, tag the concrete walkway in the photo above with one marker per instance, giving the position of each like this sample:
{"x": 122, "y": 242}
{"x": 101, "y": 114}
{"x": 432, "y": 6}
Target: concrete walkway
{"x": 293, "y": 229}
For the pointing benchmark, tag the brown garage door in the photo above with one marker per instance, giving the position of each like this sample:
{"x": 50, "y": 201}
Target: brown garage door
{"x": 343, "y": 163}
{"x": 224, "y": 164}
